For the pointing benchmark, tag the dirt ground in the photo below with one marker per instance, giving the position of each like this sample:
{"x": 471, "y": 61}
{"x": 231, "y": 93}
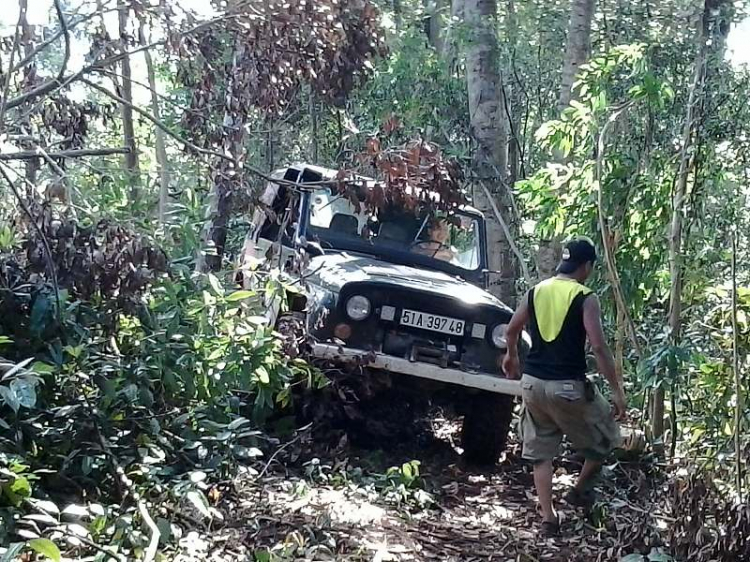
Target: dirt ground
{"x": 322, "y": 498}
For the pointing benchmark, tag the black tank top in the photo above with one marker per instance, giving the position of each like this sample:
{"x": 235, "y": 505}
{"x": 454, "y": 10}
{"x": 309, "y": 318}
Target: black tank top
{"x": 558, "y": 336}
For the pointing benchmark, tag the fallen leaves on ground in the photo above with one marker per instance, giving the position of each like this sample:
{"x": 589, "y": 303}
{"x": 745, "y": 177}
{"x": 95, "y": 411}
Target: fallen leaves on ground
{"x": 292, "y": 514}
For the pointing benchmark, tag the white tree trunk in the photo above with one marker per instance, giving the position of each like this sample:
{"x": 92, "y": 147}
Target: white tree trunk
{"x": 161, "y": 149}
{"x": 577, "y": 47}
{"x": 490, "y": 130}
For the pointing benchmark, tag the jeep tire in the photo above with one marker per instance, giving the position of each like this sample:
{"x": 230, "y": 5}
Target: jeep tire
{"x": 484, "y": 434}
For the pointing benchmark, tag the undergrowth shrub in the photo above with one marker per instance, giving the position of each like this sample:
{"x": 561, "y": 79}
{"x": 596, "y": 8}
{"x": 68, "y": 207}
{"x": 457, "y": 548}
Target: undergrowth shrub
{"x": 131, "y": 377}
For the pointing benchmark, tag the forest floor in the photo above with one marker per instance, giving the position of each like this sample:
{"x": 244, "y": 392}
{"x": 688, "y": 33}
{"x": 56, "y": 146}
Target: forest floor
{"x": 322, "y": 498}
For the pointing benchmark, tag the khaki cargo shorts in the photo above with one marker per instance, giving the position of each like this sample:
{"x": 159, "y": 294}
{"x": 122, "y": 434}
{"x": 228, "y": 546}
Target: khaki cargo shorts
{"x": 552, "y": 409}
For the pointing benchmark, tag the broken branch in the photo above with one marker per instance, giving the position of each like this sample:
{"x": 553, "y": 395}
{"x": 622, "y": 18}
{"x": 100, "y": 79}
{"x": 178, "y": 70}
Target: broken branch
{"x": 78, "y": 153}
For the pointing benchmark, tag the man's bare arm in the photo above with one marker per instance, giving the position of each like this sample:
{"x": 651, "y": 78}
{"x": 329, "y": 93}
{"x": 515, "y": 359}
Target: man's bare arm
{"x": 516, "y": 325}
{"x": 592, "y": 321}
{"x": 511, "y": 364}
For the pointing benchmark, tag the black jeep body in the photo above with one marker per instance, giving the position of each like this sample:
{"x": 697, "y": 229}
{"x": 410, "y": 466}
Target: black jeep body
{"x": 372, "y": 300}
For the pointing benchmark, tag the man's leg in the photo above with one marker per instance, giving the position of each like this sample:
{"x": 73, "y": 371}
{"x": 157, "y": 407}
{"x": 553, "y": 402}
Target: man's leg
{"x": 543, "y": 482}
{"x": 588, "y": 474}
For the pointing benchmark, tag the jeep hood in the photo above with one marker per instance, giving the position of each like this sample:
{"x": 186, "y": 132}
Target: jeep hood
{"x": 336, "y": 270}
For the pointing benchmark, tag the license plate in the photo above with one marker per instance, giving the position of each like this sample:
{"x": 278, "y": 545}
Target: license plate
{"x": 433, "y": 322}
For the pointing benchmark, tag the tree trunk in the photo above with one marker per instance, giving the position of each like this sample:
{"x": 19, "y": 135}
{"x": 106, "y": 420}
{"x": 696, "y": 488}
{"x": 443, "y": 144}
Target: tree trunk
{"x": 739, "y": 401}
{"x": 451, "y": 39}
{"x": 397, "y": 9}
{"x": 513, "y": 99}
{"x": 29, "y": 78}
{"x": 489, "y": 128}
{"x": 679, "y": 196}
{"x": 314, "y": 126}
{"x": 577, "y": 50}
{"x": 161, "y": 149}
{"x": 577, "y": 47}
{"x": 128, "y": 128}
{"x": 434, "y": 23}
{"x": 226, "y": 175}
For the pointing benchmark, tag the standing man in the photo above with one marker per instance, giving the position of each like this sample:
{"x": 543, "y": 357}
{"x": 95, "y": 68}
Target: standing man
{"x": 558, "y": 399}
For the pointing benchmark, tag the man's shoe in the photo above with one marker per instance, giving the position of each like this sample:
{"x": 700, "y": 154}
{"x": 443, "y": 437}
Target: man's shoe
{"x": 576, "y": 498}
{"x": 550, "y": 528}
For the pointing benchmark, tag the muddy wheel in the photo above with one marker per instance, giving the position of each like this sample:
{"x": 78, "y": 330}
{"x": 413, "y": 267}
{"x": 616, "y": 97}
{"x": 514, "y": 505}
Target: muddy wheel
{"x": 484, "y": 434}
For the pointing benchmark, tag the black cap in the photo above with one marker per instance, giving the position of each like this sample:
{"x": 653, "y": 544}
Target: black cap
{"x": 576, "y": 252}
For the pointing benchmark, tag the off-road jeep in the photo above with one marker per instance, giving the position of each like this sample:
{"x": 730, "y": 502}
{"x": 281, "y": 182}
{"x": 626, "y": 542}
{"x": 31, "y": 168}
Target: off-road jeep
{"x": 382, "y": 295}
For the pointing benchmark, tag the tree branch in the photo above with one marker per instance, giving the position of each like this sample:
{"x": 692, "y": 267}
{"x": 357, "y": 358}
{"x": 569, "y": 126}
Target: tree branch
{"x": 59, "y": 80}
{"x": 508, "y": 235}
{"x": 42, "y": 46}
{"x": 76, "y": 153}
{"x": 205, "y": 151}
{"x": 614, "y": 276}
{"x": 6, "y": 86}
{"x": 62, "y": 81}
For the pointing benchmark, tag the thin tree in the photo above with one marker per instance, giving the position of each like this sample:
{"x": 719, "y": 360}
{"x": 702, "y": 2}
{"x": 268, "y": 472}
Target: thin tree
{"x": 577, "y": 47}
{"x": 161, "y": 148}
{"x": 577, "y": 52}
{"x": 691, "y": 124}
{"x": 132, "y": 170}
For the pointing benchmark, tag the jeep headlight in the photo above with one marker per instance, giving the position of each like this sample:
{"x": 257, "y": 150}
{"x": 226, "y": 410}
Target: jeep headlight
{"x": 498, "y": 336}
{"x": 358, "y": 307}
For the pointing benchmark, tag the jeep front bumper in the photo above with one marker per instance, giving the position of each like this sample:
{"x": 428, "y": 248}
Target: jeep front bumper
{"x": 480, "y": 381}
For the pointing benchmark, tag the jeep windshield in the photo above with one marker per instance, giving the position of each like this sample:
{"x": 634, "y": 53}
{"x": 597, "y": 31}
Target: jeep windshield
{"x": 432, "y": 240}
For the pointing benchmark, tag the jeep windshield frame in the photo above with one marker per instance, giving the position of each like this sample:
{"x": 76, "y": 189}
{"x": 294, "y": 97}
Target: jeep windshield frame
{"x": 394, "y": 253}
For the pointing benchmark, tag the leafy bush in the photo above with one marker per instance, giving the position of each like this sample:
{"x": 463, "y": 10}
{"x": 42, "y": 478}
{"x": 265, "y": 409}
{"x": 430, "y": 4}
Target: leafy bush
{"x": 129, "y": 381}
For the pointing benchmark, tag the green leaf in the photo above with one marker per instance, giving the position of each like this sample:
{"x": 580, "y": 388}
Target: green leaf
{"x": 240, "y": 296}
{"x": 10, "y": 398}
{"x": 40, "y": 313}
{"x": 41, "y": 368}
{"x": 25, "y": 390}
{"x": 632, "y": 558}
{"x": 14, "y": 549}
{"x": 215, "y": 284}
{"x": 238, "y": 423}
{"x": 262, "y": 556}
{"x": 16, "y": 369}
{"x": 18, "y": 490}
{"x": 199, "y": 501}
{"x": 46, "y": 506}
{"x": 658, "y": 555}
{"x": 263, "y": 376}
{"x": 98, "y": 525}
{"x": 47, "y": 548}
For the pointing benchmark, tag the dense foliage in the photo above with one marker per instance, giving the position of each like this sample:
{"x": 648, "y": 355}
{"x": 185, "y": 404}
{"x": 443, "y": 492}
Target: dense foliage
{"x": 132, "y": 381}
